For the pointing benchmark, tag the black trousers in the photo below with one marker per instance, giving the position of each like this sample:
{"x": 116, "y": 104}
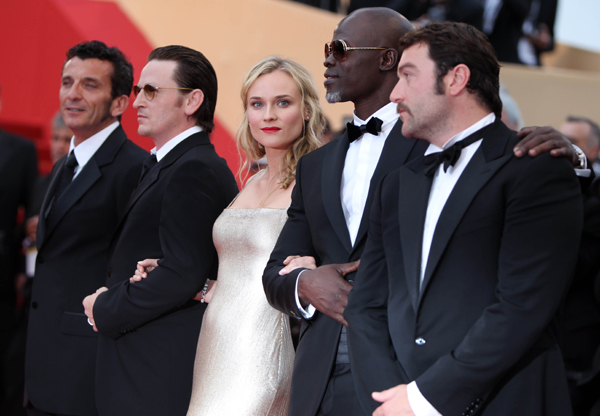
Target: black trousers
{"x": 340, "y": 397}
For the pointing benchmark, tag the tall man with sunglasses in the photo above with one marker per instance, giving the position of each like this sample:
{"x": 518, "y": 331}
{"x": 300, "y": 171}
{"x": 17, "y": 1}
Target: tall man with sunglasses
{"x": 331, "y": 202}
{"x": 149, "y": 330}
{"x": 86, "y": 197}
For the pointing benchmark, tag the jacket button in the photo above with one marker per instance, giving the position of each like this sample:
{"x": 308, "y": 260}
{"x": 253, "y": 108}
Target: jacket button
{"x": 108, "y": 272}
{"x": 420, "y": 341}
{"x": 34, "y": 305}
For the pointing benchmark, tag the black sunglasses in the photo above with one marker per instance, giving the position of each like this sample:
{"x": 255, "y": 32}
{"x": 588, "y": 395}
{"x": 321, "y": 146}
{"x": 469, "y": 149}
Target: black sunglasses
{"x": 150, "y": 90}
{"x": 339, "y": 49}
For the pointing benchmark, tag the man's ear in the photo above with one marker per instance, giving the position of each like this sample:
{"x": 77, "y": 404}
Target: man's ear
{"x": 119, "y": 105}
{"x": 389, "y": 60}
{"x": 458, "y": 78}
{"x": 193, "y": 101}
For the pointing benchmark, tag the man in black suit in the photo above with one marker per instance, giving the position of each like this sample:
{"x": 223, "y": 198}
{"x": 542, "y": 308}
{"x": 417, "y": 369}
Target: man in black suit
{"x": 329, "y": 214}
{"x": 149, "y": 331}
{"x": 469, "y": 253}
{"x": 18, "y": 173}
{"x": 86, "y": 197}
{"x": 330, "y": 207}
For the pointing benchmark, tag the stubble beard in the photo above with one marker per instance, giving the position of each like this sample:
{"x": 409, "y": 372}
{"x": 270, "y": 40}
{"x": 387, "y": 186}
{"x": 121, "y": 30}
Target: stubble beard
{"x": 333, "y": 97}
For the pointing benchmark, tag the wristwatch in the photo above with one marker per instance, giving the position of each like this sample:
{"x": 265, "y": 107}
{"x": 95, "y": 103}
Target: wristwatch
{"x": 581, "y": 156}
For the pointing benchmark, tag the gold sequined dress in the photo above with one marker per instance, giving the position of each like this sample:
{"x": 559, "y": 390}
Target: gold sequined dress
{"x": 245, "y": 354}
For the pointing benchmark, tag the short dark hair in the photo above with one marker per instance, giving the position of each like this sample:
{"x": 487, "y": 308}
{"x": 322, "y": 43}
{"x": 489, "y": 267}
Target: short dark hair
{"x": 193, "y": 71}
{"x": 121, "y": 79}
{"x": 451, "y": 44}
{"x": 594, "y": 138}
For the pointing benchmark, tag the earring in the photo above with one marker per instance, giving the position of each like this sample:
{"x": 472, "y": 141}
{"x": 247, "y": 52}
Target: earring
{"x": 307, "y": 118}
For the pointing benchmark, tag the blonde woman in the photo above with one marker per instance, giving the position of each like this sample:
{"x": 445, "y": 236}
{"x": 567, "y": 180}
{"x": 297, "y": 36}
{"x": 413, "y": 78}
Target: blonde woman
{"x": 245, "y": 354}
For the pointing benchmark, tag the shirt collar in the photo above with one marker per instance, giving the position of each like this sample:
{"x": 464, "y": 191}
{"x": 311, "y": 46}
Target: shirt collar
{"x": 489, "y": 119}
{"x": 87, "y": 148}
{"x": 388, "y": 114}
{"x": 168, "y": 146}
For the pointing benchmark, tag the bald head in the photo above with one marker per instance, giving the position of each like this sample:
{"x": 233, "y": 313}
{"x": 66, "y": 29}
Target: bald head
{"x": 381, "y": 25}
{"x": 366, "y": 74}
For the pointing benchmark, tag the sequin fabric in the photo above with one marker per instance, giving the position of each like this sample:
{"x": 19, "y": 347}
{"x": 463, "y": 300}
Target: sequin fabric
{"x": 245, "y": 355}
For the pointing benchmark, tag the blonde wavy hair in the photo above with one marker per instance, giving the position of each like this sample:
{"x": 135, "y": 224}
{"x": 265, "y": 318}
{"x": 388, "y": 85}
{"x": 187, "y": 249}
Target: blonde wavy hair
{"x": 311, "y": 132}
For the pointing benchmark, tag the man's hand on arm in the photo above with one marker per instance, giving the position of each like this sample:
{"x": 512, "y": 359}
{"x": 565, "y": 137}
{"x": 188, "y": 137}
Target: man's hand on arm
{"x": 326, "y": 289}
{"x": 538, "y": 140}
{"x": 88, "y": 304}
{"x": 394, "y": 402}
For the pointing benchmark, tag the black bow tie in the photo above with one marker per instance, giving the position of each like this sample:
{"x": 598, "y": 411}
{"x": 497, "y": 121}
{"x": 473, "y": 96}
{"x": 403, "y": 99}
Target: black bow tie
{"x": 373, "y": 127}
{"x": 450, "y": 155}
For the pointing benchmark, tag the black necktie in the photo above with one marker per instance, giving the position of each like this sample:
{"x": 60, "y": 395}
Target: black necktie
{"x": 450, "y": 155}
{"x": 148, "y": 164}
{"x": 66, "y": 176}
{"x": 373, "y": 127}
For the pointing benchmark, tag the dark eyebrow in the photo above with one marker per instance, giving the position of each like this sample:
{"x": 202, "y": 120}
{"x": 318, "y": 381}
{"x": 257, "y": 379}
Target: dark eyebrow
{"x": 406, "y": 65}
{"x": 277, "y": 97}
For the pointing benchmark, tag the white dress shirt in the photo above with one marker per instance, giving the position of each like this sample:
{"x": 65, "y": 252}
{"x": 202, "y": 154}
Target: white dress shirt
{"x": 361, "y": 160}
{"x": 441, "y": 188}
{"x": 168, "y": 146}
{"x": 86, "y": 149}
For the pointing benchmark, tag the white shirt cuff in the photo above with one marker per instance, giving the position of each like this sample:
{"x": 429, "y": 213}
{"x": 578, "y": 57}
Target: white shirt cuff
{"x": 584, "y": 173}
{"x": 306, "y": 314}
{"x": 418, "y": 403}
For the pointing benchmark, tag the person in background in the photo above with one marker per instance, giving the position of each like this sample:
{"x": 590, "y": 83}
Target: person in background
{"x": 585, "y": 134}
{"x": 18, "y": 174}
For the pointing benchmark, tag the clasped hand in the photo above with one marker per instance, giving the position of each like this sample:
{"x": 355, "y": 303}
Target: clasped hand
{"x": 326, "y": 289}
{"x": 146, "y": 266}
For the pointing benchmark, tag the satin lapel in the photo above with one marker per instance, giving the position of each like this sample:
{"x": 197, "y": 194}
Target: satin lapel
{"x": 414, "y": 191}
{"x": 88, "y": 176}
{"x": 76, "y": 189}
{"x": 41, "y": 231}
{"x": 488, "y": 159}
{"x": 148, "y": 180}
{"x": 395, "y": 153}
{"x": 152, "y": 176}
{"x": 331, "y": 182}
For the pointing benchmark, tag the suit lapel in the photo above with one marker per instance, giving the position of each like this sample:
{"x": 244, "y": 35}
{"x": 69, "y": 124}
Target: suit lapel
{"x": 41, "y": 231}
{"x": 153, "y": 175}
{"x": 88, "y": 176}
{"x": 331, "y": 181}
{"x": 412, "y": 207}
{"x": 488, "y": 159}
{"x": 395, "y": 153}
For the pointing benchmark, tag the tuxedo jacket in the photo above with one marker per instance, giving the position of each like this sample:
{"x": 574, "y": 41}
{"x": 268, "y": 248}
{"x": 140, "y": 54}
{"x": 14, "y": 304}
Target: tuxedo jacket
{"x": 316, "y": 227}
{"x": 18, "y": 173}
{"x": 149, "y": 330}
{"x": 73, "y": 244}
{"x": 478, "y": 336}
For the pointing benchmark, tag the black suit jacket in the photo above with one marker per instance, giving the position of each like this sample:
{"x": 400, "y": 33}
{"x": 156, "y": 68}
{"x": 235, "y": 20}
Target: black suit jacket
{"x": 316, "y": 227}
{"x": 508, "y": 29}
{"x": 72, "y": 255}
{"x": 149, "y": 330}
{"x": 18, "y": 173}
{"x": 478, "y": 334}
